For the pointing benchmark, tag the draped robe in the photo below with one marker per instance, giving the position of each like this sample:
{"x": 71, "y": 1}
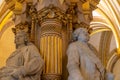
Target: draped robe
{"x": 83, "y": 64}
{"x": 26, "y": 64}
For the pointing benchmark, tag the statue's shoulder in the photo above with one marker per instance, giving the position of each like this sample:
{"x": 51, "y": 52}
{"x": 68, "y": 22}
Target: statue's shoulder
{"x": 32, "y": 50}
{"x": 31, "y": 47}
{"x": 72, "y": 45}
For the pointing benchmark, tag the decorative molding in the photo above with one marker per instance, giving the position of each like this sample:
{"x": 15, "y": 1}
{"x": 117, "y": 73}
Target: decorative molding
{"x": 52, "y": 12}
{"x": 3, "y": 10}
{"x": 105, "y": 46}
{"x": 111, "y": 63}
{"x": 5, "y": 27}
{"x": 51, "y": 25}
{"x": 51, "y": 77}
{"x": 93, "y": 4}
{"x": 22, "y": 26}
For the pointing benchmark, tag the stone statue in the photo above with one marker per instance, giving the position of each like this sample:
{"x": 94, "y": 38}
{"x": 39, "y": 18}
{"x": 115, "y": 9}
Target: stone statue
{"x": 25, "y": 63}
{"x": 83, "y": 64}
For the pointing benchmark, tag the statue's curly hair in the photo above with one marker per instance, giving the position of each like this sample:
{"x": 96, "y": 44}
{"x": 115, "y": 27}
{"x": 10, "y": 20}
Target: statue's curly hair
{"x": 77, "y": 32}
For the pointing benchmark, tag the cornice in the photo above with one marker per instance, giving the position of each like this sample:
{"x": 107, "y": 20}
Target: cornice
{"x": 3, "y": 10}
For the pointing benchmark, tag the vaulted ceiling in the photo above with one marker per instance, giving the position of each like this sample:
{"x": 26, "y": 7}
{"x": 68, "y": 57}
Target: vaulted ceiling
{"x": 107, "y": 18}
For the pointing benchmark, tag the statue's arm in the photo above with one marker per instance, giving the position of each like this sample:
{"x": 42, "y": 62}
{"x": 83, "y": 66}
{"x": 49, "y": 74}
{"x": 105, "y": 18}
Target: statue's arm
{"x": 33, "y": 61}
{"x": 73, "y": 65}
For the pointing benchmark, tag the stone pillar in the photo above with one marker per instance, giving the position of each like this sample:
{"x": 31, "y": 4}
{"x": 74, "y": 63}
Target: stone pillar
{"x": 51, "y": 49}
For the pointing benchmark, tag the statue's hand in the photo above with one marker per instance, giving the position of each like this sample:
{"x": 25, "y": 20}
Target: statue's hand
{"x": 5, "y": 72}
{"x": 7, "y": 78}
{"x": 4, "y": 75}
{"x": 109, "y": 76}
{"x": 16, "y": 73}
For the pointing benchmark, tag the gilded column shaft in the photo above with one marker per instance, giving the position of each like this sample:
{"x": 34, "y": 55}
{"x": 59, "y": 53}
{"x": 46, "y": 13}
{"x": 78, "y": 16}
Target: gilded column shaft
{"x": 51, "y": 49}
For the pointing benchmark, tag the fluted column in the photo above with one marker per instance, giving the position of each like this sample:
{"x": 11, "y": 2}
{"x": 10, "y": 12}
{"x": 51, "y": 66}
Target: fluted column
{"x": 51, "y": 49}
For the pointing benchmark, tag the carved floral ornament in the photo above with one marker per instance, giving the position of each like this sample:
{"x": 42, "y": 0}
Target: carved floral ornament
{"x": 52, "y": 12}
{"x": 21, "y": 27}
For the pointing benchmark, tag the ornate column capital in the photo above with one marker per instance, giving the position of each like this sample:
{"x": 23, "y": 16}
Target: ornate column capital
{"x": 52, "y": 13}
{"x": 21, "y": 26}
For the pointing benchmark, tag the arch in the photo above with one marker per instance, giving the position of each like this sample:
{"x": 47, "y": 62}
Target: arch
{"x": 5, "y": 27}
{"x": 104, "y": 46}
{"x": 109, "y": 11}
{"x": 98, "y": 25}
{"x": 114, "y": 58}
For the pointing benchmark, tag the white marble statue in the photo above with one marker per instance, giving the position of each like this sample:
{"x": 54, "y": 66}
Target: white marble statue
{"x": 83, "y": 64}
{"x": 25, "y": 63}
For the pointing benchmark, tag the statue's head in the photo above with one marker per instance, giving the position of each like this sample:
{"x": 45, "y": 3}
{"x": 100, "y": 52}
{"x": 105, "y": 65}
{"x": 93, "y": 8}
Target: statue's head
{"x": 21, "y": 38}
{"x": 21, "y": 34}
{"x": 81, "y": 34}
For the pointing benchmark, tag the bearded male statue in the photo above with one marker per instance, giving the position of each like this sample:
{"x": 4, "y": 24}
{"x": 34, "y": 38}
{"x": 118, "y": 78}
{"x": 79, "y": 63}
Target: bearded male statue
{"x": 25, "y": 63}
